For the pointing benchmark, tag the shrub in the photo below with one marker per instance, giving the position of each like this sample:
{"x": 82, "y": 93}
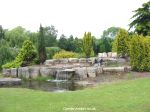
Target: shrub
{"x": 65, "y": 54}
{"x": 50, "y": 51}
{"x": 140, "y": 53}
{"x": 122, "y": 42}
{"x": 25, "y": 56}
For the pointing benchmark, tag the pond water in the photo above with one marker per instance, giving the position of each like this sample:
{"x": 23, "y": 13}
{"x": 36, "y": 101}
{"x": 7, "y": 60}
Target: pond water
{"x": 52, "y": 86}
{"x": 62, "y": 85}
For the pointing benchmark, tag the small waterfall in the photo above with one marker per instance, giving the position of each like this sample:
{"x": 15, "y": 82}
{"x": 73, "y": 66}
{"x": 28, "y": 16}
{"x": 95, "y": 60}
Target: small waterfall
{"x": 61, "y": 75}
{"x": 64, "y": 74}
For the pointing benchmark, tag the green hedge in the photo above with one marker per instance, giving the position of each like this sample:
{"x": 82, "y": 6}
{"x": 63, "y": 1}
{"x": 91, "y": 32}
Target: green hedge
{"x": 140, "y": 53}
{"x": 65, "y": 54}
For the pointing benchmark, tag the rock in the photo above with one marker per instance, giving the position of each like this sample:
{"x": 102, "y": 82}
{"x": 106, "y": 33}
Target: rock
{"x": 56, "y": 61}
{"x": 114, "y": 55}
{"x": 10, "y": 81}
{"x": 23, "y": 72}
{"x": 34, "y": 72}
{"x": 113, "y": 69}
{"x": 63, "y": 61}
{"x": 6, "y": 72}
{"x": 92, "y": 60}
{"x": 83, "y": 60}
{"x": 100, "y": 55}
{"x": 109, "y": 54}
{"x": 91, "y": 71}
{"x": 127, "y": 68}
{"x": 49, "y": 62}
{"x": 73, "y": 60}
{"x": 99, "y": 70}
{"x": 14, "y": 72}
{"x": 104, "y": 55}
{"x": 81, "y": 72}
{"x": 45, "y": 71}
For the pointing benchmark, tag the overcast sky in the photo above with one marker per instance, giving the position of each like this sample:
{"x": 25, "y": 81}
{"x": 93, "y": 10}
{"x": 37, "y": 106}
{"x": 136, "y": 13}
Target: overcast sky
{"x": 68, "y": 16}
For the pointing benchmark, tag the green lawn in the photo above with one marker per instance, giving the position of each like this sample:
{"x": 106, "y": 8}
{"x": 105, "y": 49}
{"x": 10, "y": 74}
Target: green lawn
{"x": 127, "y": 96}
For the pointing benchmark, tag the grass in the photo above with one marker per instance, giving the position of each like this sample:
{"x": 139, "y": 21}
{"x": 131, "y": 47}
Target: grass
{"x": 126, "y": 96}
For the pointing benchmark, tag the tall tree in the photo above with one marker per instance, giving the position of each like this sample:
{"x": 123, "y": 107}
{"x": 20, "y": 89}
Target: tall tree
{"x": 2, "y": 33}
{"x": 107, "y": 39}
{"x": 62, "y": 42}
{"x": 41, "y": 46}
{"x": 50, "y": 34}
{"x": 87, "y": 44}
{"x": 122, "y": 43}
{"x": 141, "y": 23}
{"x": 96, "y": 45}
{"x": 16, "y": 36}
{"x": 110, "y": 32}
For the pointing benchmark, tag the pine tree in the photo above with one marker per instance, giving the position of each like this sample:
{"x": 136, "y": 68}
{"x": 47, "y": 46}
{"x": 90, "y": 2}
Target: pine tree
{"x": 141, "y": 22}
{"x": 41, "y": 46}
{"x": 87, "y": 44}
{"x": 122, "y": 43}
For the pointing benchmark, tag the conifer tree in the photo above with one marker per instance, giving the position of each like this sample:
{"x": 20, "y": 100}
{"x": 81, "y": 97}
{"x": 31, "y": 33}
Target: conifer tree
{"x": 41, "y": 46}
{"x": 87, "y": 44}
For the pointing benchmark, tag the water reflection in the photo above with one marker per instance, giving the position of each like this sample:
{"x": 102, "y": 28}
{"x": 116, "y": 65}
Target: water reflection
{"x": 53, "y": 86}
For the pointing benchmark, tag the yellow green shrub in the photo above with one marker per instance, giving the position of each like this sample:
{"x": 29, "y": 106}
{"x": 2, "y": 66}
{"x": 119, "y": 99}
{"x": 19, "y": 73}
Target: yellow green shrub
{"x": 140, "y": 53}
{"x": 65, "y": 54}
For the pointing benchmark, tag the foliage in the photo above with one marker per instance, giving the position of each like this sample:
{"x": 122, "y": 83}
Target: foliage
{"x": 87, "y": 44}
{"x": 2, "y": 33}
{"x": 25, "y": 56}
{"x": 141, "y": 23}
{"x": 70, "y": 44}
{"x": 106, "y": 44}
{"x": 140, "y": 53}
{"x": 16, "y": 36}
{"x": 6, "y": 53}
{"x": 50, "y": 51}
{"x": 34, "y": 38}
{"x": 62, "y": 42}
{"x": 125, "y": 96}
{"x": 107, "y": 38}
{"x": 122, "y": 41}
{"x": 96, "y": 45}
{"x": 50, "y": 35}
{"x": 110, "y": 32}
{"x": 41, "y": 46}
{"x": 65, "y": 54}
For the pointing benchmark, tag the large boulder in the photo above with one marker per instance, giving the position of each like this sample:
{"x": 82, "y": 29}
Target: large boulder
{"x": 34, "y": 72}
{"x": 109, "y": 54}
{"x": 81, "y": 72}
{"x": 45, "y": 71}
{"x": 113, "y": 69}
{"x": 73, "y": 60}
{"x": 104, "y": 55}
{"x": 6, "y": 72}
{"x": 100, "y": 55}
{"x": 83, "y": 60}
{"x": 99, "y": 70}
{"x": 63, "y": 61}
{"x": 23, "y": 72}
{"x": 91, "y": 71}
{"x": 114, "y": 55}
{"x": 14, "y": 72}
{"x": 56, "y": 61}
{"x": 49, "y": 62}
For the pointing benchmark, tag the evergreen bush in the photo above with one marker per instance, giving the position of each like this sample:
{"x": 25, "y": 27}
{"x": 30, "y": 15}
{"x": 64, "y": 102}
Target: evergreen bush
{"x": 25, "y": 56}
